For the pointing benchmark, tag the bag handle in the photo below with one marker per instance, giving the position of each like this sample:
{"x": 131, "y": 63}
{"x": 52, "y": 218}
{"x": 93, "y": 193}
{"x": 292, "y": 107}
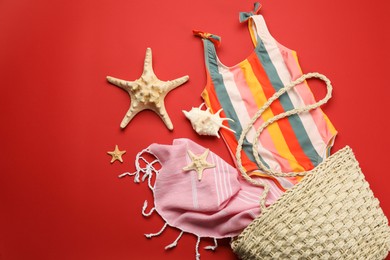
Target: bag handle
{"x": 272, "y": 120}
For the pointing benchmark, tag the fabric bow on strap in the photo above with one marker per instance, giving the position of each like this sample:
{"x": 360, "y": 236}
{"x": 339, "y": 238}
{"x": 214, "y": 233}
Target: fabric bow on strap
{"x": 211, "y": 37}
{"x": 244, "y": 16}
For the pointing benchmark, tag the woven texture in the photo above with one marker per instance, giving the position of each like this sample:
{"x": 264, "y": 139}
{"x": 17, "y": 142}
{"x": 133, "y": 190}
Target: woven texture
{"x": 331, "y": 214}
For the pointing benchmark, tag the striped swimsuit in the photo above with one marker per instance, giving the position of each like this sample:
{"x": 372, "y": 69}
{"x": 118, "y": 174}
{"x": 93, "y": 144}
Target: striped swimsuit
{"x": 293, "y": 144}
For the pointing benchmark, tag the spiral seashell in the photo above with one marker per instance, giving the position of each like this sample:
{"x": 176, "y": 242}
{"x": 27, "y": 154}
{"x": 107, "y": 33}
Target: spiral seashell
{"x": 206, "y": 123}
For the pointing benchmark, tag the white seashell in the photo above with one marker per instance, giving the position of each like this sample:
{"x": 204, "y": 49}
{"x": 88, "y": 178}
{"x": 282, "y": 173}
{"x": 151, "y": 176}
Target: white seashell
{"x": 204, "y": 122}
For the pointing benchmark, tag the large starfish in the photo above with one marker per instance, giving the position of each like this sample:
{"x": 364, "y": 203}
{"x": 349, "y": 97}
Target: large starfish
{"x": 199, "y": 163}
{"x": 147, "y": 92}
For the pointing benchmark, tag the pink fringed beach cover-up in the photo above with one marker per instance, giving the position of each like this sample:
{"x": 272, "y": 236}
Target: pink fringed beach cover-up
{"x": 220, "y": 205}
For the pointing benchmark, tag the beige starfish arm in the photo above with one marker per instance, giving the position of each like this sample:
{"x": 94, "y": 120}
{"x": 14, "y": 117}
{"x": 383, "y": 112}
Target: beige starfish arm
{"x": 209, "y": 165}
{"x": 191, "y": 154}
{"x": 188, "y": 167}
{"x": 121, "y": 152}
{"x": 131, "y": 113}
{"x": 123, "y": 84}
{"x": 162, "y": 112}
{"x": 200, "y": 175}
{"x": 172, "y": 84}
{"x": 205, "y": 154}
{"x": 204, "y": 157}
{"x": 148, "y": 65}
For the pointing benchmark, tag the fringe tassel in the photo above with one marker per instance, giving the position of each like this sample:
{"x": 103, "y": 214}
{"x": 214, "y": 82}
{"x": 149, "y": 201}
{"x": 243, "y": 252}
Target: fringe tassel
{"x": 174, "y": 242}
{"x": 144, "y": 208}
{"x": 197, "y": 255}
{"x": 158, "y": 233}
{"x": 138, "y": 167}
{"x": 212, "y": 247}
{"x": 149, "y": 173}
{"x": 148, "y": 170}
{"x": 126, "y": 173}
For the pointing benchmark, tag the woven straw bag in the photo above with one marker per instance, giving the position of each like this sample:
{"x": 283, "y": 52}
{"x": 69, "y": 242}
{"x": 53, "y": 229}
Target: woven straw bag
{"x": 331, "y": 214}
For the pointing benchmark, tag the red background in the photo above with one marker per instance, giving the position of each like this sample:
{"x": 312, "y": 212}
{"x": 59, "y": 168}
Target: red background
{"x": 60, "y": 198}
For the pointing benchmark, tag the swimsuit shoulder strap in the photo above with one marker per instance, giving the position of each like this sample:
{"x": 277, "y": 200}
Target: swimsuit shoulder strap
{"x": 209, "y": 43}
{"x": 257, "y": 27}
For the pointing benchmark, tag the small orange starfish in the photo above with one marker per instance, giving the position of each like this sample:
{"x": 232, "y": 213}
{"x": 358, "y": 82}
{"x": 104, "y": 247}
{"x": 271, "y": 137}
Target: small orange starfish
{"x": 116, "y": 154}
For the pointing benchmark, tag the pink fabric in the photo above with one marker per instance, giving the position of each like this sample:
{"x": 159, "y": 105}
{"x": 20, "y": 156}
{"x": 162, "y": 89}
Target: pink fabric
{"x": 221, "y": 205}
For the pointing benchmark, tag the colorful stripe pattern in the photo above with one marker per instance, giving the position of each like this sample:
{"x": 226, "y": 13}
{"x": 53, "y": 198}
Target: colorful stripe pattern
{"x": 297, "y": 143}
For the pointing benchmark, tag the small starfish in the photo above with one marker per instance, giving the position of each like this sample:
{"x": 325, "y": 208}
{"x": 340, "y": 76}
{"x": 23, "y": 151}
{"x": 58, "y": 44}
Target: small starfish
{"x": 116, "y": 154}
{"x": 199, "y": 163}
{"x": 147, "y": 92}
